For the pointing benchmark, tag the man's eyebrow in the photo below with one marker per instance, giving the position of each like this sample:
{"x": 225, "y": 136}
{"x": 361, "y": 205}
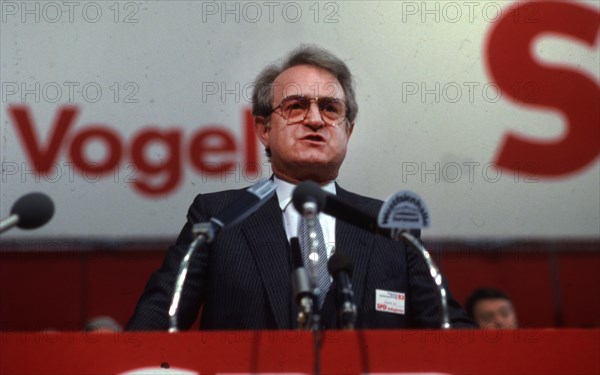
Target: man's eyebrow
{"x": 312, "y": 97}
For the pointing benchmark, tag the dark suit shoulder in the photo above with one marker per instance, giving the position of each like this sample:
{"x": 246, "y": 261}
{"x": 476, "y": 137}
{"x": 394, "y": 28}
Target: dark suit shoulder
{"x": 206, "y": 205}
{"x": 370, "y": 205}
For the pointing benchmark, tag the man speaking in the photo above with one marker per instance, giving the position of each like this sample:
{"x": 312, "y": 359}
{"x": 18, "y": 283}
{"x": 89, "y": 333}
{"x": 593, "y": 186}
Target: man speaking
{"x": 304, "y": 110}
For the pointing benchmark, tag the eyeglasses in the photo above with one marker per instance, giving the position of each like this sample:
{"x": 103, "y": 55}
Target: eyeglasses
{"x": 294, "y": 109}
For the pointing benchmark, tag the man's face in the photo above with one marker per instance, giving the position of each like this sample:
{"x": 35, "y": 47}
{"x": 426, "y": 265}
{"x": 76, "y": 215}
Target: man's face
{"x": 313, "y": 148}
{"x": 495, "y": 313}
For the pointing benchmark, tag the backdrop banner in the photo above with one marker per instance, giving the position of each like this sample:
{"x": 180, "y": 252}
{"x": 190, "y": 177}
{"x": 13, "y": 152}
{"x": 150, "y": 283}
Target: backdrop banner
{"x": 124, "y": 111}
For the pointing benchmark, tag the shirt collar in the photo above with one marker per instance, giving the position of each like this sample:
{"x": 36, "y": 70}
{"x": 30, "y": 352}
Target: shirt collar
{"x": 285, "y": 189}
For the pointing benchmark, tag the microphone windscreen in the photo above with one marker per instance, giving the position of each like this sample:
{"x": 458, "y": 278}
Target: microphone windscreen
{"x": 34, "y": 210}
{"x": 308, "y": 191}
{"x": 340, "y": 262}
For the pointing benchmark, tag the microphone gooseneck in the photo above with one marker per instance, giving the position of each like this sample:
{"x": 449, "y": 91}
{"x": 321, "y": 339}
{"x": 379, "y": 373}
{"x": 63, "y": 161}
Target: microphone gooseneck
{"x": 435, "y": 273}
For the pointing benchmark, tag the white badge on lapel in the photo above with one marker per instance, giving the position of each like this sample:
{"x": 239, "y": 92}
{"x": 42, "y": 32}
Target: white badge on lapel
{"x": 391, "y": 302}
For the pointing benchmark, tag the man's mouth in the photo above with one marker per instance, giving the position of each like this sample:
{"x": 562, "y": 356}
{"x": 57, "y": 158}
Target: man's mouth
{"x": 313, "y": 138}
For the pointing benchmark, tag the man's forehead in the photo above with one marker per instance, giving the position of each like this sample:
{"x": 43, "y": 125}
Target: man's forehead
{"x": 493, "y": 303}
{"x": 307, "y": 80}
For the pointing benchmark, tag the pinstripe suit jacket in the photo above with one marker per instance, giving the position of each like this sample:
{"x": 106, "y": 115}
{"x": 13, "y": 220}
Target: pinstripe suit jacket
{"x": 242, "y": 280}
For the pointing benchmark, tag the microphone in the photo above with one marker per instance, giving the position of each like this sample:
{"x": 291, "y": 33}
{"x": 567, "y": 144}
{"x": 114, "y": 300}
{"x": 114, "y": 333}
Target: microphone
{"x": 29, "y": 212}
{"x": 250, "y": 200}
{"x": 405, "y": 211}
{"x": 303, "y": 292}
{"x": 309, "y": 191}
{"x": 245, "y": 205}
{"x": 400, "y": 213}
{"x": 340, "y": 266}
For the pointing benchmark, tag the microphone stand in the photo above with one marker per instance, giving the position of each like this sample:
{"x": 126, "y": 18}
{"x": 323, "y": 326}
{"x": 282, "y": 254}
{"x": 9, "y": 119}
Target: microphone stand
{"x": 311, "y": 211}
{"x": 204, "y": 233}
{"x": 433, "y": 271}
{"x": 305, "y": 315}
{"x": 8, "y": 223}
{"x": 305, "y": 298}
{"x": 347, "y": 310}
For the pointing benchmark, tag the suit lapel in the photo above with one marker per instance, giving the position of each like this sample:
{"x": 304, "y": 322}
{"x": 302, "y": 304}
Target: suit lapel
{"x": 356, "y": 243}
{"x": 268, "y": 243}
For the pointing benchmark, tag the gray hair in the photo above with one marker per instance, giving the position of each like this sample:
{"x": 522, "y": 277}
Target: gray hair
{"x": 262, "y": 96}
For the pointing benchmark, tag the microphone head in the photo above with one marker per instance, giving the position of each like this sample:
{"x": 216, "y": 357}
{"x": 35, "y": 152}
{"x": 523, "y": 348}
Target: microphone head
{"x": 403, "y": 210}
{"x": 308, "y": 191}
{"x": 340, "y": 262}
{"x": 33, "y": 209}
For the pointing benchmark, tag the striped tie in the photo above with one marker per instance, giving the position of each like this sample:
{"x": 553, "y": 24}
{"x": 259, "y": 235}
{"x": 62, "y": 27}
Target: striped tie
{"x": 314, "y": 254}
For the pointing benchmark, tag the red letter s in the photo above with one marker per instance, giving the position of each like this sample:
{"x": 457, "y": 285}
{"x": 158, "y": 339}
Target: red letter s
{"x": 577, "y": 96}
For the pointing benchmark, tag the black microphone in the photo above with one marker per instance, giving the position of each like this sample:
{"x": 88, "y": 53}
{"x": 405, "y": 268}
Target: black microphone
{"x": 301, "y": 285}
{"x": 309, "y": 191}
{"x": 245, "y": 205}
{"x": 249, "y": 201}
{"x": 29, "y": 212}
{"x": 340, "y": 266}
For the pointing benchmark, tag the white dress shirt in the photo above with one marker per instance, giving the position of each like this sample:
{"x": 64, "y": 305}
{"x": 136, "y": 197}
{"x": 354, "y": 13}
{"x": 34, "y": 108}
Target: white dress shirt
{"x": 291, "y": 216}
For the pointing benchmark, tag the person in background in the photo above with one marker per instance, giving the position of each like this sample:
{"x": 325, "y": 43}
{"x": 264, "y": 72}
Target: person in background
{"x": 102, "y": 324}
{"x": 491, "y": 308}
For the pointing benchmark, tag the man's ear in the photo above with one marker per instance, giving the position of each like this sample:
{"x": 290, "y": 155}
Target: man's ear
{"x": 261, "y": 128}
{"x": 349, "y": 129}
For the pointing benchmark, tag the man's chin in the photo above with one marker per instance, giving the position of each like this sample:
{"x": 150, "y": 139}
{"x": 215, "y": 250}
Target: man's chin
{"x": 315, "y": 171}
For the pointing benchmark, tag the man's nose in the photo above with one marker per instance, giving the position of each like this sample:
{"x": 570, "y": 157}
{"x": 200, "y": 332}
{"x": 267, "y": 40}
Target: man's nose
{"x": 313, "y": 117}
